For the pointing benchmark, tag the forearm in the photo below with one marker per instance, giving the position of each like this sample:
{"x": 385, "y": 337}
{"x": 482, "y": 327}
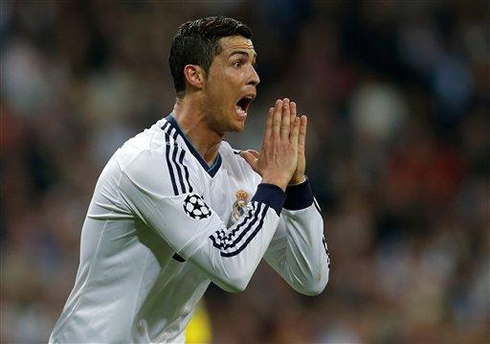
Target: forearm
{"x": 306, "y": 263}
{"x": 299, "y": 255}
{"x": 230, "y": 256}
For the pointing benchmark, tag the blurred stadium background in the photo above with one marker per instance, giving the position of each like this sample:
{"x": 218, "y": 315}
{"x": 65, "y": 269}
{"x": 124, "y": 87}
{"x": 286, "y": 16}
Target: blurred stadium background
{"x": 397, "y": 93}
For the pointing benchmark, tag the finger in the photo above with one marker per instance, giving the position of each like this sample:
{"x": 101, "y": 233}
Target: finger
{"x": 250, "y": 159}
{"x": 293, "y": 115}
{"x": 268, "y": 125}
{"x": 276, "y": 120}
{"x": 302, "y": 134}
{"x": 295, "y": 132}
{"x": 285, "y": 120}
{"x": 293, "y": 111}
{"x": 254, "y": 153}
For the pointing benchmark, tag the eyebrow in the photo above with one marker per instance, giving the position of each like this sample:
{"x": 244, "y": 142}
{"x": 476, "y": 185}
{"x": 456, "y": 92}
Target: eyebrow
{"x": 241, "y": 52}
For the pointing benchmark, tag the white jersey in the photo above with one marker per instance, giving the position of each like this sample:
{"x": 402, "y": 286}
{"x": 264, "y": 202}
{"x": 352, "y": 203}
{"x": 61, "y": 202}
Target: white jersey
{"x": 162, "y": 225}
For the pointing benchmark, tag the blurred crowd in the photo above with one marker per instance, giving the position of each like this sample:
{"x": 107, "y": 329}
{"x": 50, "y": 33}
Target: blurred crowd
{"x": 398, "y": 99}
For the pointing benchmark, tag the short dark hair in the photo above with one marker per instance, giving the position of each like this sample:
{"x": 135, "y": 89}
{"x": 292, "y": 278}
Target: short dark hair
{"x": 197, "y": 42}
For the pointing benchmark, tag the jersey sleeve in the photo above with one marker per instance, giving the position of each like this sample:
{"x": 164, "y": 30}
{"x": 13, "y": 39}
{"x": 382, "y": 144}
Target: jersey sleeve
{"x": 298, "y": 251}
{"x": 163, "y": 193}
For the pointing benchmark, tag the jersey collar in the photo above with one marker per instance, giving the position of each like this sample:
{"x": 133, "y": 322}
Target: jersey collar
{"x": 211, "y": 170}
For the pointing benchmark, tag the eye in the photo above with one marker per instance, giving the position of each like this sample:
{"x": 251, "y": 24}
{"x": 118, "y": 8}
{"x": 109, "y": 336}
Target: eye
{"x": 237, "y": 64}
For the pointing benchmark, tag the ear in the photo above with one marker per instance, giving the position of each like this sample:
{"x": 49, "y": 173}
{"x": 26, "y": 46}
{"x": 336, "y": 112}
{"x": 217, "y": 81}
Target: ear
{"x": 194, "y": 75}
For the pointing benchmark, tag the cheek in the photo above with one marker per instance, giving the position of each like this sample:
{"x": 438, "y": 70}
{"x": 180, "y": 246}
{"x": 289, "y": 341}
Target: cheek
{"x": 222, "y": 90}
{"x": 227, "y": 79}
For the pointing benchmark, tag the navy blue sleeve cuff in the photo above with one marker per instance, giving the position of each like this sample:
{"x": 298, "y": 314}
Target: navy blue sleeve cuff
{"x": 270, "y": 194}
{"x": 299, "y": 196}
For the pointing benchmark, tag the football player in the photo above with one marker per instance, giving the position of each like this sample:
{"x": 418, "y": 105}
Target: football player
{"x": 176, "y": 207}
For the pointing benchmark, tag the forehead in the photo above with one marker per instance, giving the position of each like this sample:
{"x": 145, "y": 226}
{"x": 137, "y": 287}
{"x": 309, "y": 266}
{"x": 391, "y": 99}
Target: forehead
{"x": 232, "y": 44}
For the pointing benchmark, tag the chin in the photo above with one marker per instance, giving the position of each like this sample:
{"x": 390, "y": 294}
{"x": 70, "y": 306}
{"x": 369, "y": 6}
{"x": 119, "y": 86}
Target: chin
{"x": 235, "y": 129}
{"x": 238, "y": 128}
{"x": 232, "y": 128}
{"x": 235, "y": 126}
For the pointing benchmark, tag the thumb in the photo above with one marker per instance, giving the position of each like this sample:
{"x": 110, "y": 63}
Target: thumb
{"x": 250, "y": 159}
{"x": 254, "y": 153}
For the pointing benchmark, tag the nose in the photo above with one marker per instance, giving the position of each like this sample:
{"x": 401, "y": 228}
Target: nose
{"x": 254, "y": 77}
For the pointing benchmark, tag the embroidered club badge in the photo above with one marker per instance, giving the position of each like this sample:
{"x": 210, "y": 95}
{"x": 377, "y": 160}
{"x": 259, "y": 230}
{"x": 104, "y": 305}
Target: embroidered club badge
{"x": 242, "y": 198}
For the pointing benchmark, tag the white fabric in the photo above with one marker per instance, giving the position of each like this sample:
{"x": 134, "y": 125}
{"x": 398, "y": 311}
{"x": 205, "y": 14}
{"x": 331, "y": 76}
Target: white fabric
{"x": 129, "y": 285}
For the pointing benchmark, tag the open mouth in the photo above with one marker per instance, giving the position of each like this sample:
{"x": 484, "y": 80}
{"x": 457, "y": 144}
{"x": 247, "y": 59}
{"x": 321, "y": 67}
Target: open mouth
{"x": 243, "y": 104}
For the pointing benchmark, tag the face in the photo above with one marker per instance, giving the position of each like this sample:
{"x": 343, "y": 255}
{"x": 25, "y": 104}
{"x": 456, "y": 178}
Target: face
{"x": 231, "y": 85}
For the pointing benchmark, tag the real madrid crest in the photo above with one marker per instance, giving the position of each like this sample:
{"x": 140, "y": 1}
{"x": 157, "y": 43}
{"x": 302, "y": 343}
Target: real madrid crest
{"x": 242, "y": 198}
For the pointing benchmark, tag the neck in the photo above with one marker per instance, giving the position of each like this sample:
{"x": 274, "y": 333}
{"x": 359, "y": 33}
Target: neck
{"x": 195, "y": 124}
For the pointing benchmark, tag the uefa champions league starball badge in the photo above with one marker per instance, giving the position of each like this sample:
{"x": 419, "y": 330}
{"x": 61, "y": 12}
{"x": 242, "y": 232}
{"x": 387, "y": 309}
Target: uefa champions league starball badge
{"x": 241, "y": 202}
{"x": 196, "y": 208}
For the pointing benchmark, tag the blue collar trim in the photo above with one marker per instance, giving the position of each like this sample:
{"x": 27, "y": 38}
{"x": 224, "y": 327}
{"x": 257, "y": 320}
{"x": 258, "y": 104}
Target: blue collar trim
{"x": 211, "y": 170}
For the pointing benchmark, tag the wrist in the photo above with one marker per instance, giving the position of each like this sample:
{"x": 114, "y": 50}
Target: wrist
{"x": 297, "y": 180}
{"x": 299, "y": 196}
{"x": 275, "y": 181}
{"x": 271, "y": 195}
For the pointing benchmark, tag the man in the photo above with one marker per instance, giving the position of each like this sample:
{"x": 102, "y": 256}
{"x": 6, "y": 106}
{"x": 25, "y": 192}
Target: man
{"x": 176, "y": 207}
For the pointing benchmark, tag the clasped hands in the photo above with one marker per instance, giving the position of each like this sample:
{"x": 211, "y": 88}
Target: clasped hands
{"x": 281, "y": 160}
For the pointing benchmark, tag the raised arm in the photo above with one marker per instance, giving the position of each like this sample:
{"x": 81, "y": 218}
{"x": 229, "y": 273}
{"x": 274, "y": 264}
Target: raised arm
{"x": 172, "y": 205}
{"x": 298, "y": 251}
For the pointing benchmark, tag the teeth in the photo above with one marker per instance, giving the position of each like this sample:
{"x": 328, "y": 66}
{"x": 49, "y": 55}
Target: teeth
{"x": 240, "y": 110}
